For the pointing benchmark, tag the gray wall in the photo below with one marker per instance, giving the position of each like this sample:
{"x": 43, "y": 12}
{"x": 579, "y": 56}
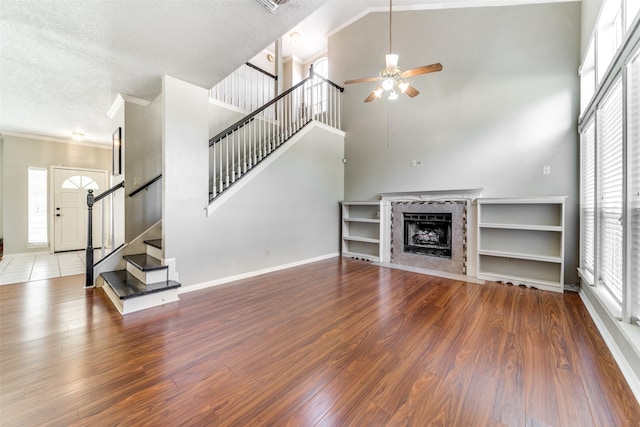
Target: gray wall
{"x": 18, "y": 155}
{"x": 143, "y": 154}
{"x": 505, "y": 105}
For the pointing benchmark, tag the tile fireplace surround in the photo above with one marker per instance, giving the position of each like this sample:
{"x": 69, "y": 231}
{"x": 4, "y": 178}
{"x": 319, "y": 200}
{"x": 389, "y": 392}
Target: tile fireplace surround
{"x": 458, "y": 210}
{"x": 456, "y": 202}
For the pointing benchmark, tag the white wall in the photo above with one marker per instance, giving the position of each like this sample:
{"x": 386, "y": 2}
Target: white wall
{"x": 185, "y": 136}
{"x": 505, "y": 105}
{"x": 143, "y": 133}
{"x": 288, "y": 214}
{"x": 18, "y": 155}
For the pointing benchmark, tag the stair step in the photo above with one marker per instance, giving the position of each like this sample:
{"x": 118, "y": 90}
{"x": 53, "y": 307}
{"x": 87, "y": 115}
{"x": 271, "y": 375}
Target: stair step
{"x": 156, "y": 243}
{"x": 145, "y": 262}
{"x": 125, "y": 285}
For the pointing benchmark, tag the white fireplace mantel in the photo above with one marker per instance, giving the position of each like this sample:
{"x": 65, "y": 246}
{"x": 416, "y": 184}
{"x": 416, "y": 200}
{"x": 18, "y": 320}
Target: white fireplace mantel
{"x": 461, "y": 194}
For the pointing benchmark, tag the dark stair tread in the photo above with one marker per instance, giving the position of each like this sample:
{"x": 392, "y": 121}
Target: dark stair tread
{"x": 126, "y": 285}
{"x": 145, "y": 262}
{"x": 156, "y": 243}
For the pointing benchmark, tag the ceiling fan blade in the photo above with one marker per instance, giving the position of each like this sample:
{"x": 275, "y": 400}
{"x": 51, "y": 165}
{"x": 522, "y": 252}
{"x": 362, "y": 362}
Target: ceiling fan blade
{"x": 411, "y": 91}
{"x": 373, "y": 95}
{"x": 368, "y": 79}
{"x": 422, "y": 70}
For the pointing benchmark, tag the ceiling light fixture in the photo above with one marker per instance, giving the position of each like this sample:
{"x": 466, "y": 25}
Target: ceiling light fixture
{"x": 77, "y": 136}
{"x": 295, "y": 37}
{"x": 393, "y": 77}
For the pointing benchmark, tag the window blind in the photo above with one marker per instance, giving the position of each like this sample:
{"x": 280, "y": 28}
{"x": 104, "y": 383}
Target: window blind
{"x": 633, "y": 146}
{"x": 37, "y": 220}
{"x": 587, "y": 197}
{"x": 610, "y": 174}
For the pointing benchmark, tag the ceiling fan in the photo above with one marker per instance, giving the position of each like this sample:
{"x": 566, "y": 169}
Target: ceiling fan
{"x": 393, "y": 77}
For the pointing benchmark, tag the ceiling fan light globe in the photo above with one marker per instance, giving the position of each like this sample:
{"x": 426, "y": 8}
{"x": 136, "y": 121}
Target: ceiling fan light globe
{"x": 393, "y": 95}
{"x": 378, "y": 92}
{"x": 403, "y": 86}
{"x": 388, "y": 84}
{"x": 391, "y": 61}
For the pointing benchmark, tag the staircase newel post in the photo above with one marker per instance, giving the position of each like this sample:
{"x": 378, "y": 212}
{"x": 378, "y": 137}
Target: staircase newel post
{"x": 89, "y": 253}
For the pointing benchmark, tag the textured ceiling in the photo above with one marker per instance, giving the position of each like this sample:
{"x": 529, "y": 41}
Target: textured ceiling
{"x": 62, "y": 63}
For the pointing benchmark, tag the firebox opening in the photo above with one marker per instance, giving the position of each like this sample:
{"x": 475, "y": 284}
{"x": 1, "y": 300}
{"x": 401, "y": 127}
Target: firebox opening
{"x": 428, "y": 234}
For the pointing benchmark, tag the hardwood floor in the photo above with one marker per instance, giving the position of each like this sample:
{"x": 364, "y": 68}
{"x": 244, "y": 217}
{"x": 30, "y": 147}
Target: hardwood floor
{"x": 333, "y": 343}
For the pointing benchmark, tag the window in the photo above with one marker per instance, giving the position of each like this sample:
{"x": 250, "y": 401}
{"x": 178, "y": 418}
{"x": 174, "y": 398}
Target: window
{"x": 633, "y": 201}
{"x": 37, "y": 199}
{"x": 610, "y": 182}
{"x": 610, "y": 160}
{"x": 587, "y": 78}
{"x": 588, "y": 199}
{"x": 318, "y": 91}
{"x": 609, "y": 34}
{"x": 632, "y": 9}
{"x": 83, "y": 182}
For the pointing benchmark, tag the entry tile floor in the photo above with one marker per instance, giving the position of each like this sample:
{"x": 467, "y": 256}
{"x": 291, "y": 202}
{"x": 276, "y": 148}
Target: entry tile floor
{"x": 26, "y": 268}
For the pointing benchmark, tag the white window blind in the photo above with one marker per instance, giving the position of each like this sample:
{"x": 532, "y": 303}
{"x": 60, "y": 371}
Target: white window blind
{"x": 37, "y": 221}
{"x": 633, "y": 145}
{"x": 610, "y": 174}
{"x": 587, "y": 197}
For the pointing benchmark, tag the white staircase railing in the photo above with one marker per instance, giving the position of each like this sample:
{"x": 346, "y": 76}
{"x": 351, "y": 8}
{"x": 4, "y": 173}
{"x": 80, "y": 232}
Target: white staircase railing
{"x": 240, "y": 147}
{"x": 247, "y": 88}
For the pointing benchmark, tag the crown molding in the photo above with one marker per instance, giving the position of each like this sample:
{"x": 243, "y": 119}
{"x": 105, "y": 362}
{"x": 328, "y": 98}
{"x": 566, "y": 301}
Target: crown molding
{"x": 121, "y": 98}
{"x": 90, "y": 144}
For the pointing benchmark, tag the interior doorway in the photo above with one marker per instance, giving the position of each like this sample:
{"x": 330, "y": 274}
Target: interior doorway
{"x": 70, "y": 206}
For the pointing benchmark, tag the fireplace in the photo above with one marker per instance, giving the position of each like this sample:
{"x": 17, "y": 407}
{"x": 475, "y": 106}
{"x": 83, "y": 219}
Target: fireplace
{"x": 427, "y": 234}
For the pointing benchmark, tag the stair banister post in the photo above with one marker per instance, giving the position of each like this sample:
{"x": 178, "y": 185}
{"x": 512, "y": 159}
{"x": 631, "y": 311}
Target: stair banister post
{"x": 311, "y": 93}
{"x": 89, "y": 252}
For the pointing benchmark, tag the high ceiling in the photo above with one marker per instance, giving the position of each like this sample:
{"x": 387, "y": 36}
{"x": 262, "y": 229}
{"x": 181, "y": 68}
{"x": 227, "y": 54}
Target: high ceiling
{"x": 62, "y": 63}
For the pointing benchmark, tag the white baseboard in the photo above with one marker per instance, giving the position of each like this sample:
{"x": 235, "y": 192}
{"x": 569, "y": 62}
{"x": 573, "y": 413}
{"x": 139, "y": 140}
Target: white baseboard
{"x": 247, "y": 275}
{"x": 627, "y": 372}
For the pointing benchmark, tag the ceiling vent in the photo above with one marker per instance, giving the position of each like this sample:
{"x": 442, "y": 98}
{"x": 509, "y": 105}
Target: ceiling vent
{"x": 272, "y": 5}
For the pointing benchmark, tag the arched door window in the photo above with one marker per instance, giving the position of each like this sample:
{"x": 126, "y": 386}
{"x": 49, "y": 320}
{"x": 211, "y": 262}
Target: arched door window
{"x": 80, "y": 181}
{"x": 318, "y": 91}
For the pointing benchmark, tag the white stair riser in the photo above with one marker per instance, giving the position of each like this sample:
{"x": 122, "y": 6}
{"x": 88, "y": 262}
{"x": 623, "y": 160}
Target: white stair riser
{"x": 142, "y": 302}
{"x": 148, "y": 277}
{"x": 154, "y": 252}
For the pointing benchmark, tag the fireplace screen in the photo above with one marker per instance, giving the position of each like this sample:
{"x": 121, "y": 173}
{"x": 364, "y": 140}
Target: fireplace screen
{"x": 428, "y": 234}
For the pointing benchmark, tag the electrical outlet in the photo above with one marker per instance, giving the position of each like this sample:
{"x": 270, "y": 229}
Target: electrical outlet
{"x": 546, "y": 170}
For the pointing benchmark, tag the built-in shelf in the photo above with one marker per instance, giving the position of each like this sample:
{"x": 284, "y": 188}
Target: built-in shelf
{"x": 521, "y": 241}
{"x": 361, "y": 230}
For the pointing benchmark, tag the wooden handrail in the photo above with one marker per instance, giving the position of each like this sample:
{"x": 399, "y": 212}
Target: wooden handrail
{"x": 255, "y": 67}
{"x": 247, "y": 119}
{"x": 145, "y": 186}
{"x": 105, "y": 193}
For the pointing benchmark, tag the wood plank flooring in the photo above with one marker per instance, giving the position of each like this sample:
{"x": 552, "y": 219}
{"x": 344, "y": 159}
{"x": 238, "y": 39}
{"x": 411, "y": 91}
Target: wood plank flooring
{"x": 333, "y": 343}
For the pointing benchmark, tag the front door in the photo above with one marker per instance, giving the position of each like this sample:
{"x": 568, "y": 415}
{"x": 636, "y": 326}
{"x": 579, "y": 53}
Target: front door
{"x": 70, "y": 206}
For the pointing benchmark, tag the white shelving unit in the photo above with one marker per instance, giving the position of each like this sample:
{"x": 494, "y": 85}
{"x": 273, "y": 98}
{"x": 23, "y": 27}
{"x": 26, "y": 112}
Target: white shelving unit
{"x": 521, "y": 241}
{"x": 361, "y": 230}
